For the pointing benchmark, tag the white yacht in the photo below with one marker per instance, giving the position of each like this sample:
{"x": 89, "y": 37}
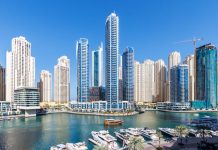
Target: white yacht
{"x": 169, "y": 131}
{"x": 149, "y": 133}
{"x": 76, "y": 146}
{"x": 104, "y": 138}
{"x": 58, "y": 147}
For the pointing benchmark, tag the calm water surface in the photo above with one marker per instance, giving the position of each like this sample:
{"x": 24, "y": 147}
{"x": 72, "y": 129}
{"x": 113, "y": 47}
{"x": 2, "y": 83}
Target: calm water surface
{"x": 39, "y": 133}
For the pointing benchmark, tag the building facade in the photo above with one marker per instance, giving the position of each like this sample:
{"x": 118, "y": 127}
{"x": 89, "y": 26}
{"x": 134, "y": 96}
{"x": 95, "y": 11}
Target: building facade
{"x": 206, "y": 75}
{"x": 62, "y": 80}
{"x": 2, "y": 84}
{"x": 20, "y": 66}
{"x": 120, "y": 77}
{"x": 137, "y": 82}
{"x": 82, "y": 50}
{"x": 111, "y": 68}
{"x": 173, "y": 59}
{"x": 160, "y": 72}
{"x": 179, "y": 84}
{"x": 128, "y": 74}
{"x": 190, "y": 62}
{"x": 45, "y": 86}
{"x": 97, "y": 66}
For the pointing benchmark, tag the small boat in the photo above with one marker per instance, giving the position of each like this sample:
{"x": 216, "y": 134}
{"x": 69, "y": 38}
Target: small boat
{"x": 108, "y": 122}
{"x": 168, "y": 131}
{"x": 58, "y": 147}
{"x": 149, "y": 134}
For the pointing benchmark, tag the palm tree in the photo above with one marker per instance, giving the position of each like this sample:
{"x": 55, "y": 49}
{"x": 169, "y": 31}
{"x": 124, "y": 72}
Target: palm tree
{"x": 136, "y": 143}
{"x": 181, "y": 132}
{"x": 160, "y": 135}
{"x": 96, "y": 147}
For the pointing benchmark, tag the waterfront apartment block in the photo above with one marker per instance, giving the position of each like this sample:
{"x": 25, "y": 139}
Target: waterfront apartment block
{"x": 27, "y": 100}
{"x": 45, "y": 86}
{"x": 97, "y": 66}
{"x": 128, "y": 74}
{"x": 179, "y": 87}
{"x": 206, "y": 75}
{"x": 20, "y": 66}
{"x": 120, "y": 77}
{"x": 111, "y": 68}
{"x": 82, "y": 54}
{"x": 62, "y": 80}
{"x": 2, "y": 84}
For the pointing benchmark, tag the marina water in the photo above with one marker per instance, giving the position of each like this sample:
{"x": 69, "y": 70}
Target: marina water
{"x": 39, "y": 133}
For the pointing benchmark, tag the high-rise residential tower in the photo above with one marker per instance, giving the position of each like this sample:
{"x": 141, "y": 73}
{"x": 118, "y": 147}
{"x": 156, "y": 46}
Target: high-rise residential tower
{"x": 62, "y": 80}
{"x": 190, "y": 62}
{"x": 179, "y": 83}
{"x": 160, "y": 73}
{"x": 111, "y": 69}
{"x": 128, "y": 74}
{"x": 82, "y": 54}
{"x": 137, "y": 82}
{"x": 120, "y": 77}
{"x": 20, "y": 67}
{"x": 97, "y": 66}
{"x": 206, "y": 75}
{"x": 45, "y": 86}
{"x": 2, "y": 84}
{"x": 173, "y": 59}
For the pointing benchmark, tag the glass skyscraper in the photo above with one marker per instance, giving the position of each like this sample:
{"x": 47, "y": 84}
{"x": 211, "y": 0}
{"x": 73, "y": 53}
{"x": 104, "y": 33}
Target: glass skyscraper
{"x": 179, "y": 83}
{"x": 111, "y": 70}
{"x": 82, "y": 54}
{"x": 97, "y": 69}
{"x": 128, "y": 74}
{"x": 206, "y": 75}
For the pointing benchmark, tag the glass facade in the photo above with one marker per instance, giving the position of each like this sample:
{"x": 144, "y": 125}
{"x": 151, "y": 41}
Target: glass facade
{"x": 96, "y": 69}
{"x": 111, "y": 68}
{"x": 206, "y": 75}
{"x": 82, "y": 70}
{"x": 179, "y": 84}
{"x": 128, "y": 74}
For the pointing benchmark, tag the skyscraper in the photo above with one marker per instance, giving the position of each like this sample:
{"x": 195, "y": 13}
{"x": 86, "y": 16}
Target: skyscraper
{"x": 128, "y": 74}
{"x": 206, "y": 75}
{"x": 97, "y": 66}
{"x": 111, "y": 69}
{"x": 120, "y": 77}
{"x": 137, "y": 82}
{"x": 2, "y": 84}
{"x": 173, "y": 59}
{"x": 179, "y": 83}
{"x": 20, "y": 67}
{"x": 160, "y": 80}
{"x": 190, "y": 62}
{"x": 45, "y": 86}
{"x": 82, "y": 53}
{"x": 62, "y": 80}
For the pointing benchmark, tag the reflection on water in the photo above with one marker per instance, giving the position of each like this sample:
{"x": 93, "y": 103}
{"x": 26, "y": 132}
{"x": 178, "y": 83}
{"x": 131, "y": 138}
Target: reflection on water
{"x": 44, "y": 131}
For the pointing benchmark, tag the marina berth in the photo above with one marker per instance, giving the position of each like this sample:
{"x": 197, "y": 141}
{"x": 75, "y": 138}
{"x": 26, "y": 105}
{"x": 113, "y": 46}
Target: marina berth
{"x": 76, "y": 146}
{"x": 105, "y": 139}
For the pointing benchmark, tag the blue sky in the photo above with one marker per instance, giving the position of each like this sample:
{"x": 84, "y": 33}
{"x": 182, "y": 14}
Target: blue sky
{"x": 151, "y": 27}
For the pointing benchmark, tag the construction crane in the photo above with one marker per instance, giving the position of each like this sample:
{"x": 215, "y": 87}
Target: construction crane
{"x": 194, "y": 40}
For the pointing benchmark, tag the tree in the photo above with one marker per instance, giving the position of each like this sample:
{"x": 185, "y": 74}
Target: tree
{"x": 181, "y": 132}
{"x": 96, "y": 147}
{"x": 160, "y": 135}
{"x": 136, "y": 143}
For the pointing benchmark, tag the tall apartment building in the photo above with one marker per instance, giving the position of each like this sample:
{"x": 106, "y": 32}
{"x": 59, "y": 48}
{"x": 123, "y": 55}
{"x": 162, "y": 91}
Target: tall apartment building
{"x": 20, "y": 67}
{"x": 206, "y": 75}
{"x": 179, "y": 83}
{"x": 128, "y": 74}
{"x": 160, "y": 73}
{"x": 62, "y": 80}
{"x": 189, "y": 60}
{"x": 111, "y": 69}
{"x": 82, "y": 50}
{"x": 173, "y": 59}
{"x": 2, "y": 84}
{"x": 120, "y": 77}
{"x": 45, "y": 86}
